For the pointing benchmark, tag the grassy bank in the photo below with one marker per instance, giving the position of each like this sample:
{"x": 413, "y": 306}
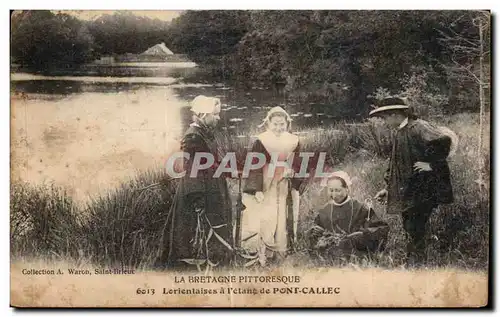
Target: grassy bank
{"x": 126, "y": 226}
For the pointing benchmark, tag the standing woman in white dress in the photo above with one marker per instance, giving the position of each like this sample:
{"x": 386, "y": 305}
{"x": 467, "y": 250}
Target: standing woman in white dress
{"x": 269, "y": 222}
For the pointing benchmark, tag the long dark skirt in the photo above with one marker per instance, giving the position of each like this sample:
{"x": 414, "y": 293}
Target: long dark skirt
{"x": 200, "y": 225}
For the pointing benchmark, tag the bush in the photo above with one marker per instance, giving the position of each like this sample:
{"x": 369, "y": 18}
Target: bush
{"x": 42, "y": 221}
{"x": 127, "y": 226}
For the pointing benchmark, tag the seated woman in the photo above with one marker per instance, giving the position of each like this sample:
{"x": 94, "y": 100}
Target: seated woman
{"x": 345, "y": 226}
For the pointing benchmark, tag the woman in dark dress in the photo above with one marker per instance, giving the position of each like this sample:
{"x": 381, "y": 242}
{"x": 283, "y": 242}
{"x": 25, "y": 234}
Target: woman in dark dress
{"x": 200, "y": 226}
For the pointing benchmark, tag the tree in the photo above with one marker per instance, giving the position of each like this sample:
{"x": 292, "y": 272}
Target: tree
{"x": 341, "y": 57}
{"x": 469, "y": 42}
{"x": 124, "y": 32}
{"x": 208, "y": 37}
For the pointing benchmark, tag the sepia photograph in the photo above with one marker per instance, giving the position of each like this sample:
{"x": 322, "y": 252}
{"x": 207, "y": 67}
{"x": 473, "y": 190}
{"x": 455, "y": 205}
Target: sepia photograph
{"x": 250, "y": 158}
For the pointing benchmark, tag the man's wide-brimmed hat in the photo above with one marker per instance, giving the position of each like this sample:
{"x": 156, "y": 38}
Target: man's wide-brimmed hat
{"x": 389, "y": 105}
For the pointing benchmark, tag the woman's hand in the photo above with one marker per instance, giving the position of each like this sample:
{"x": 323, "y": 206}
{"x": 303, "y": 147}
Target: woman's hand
{"x": 289, "y": 173}
{"x": 317, "y": 231}
{"x": 381, "y": 195}
{"x": 259, "y": 196}
{"x": 422, "y": 167}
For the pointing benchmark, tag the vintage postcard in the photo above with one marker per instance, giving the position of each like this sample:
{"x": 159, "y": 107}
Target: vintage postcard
{"x": 250, "y": 158}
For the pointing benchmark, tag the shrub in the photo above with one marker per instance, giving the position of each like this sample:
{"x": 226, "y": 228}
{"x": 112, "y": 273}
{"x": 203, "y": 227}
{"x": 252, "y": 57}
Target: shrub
{"x": 126, "y": 227}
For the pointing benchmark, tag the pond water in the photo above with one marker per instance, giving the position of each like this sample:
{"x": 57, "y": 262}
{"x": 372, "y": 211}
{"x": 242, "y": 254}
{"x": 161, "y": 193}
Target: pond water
{"x": 90, "y": 128}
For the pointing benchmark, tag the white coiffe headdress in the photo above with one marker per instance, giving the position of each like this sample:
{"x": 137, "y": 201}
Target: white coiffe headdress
{"x": 205, "y": 105}
{"x": 340, "y": 174}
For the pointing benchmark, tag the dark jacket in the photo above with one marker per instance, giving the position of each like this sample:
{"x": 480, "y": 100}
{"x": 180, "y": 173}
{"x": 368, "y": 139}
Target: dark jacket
{"x": 353, "y": 216}
{"x": 418, "y": 141}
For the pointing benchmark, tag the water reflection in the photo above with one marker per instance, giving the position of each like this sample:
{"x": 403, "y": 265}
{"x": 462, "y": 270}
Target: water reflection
{"x": 118, "y": 70}
{"x": 246, "y": 109}
{"x": 67, "y": 87}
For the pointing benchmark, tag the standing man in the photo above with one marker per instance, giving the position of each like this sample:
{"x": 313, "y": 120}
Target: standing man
{"x": 418, "y": 177}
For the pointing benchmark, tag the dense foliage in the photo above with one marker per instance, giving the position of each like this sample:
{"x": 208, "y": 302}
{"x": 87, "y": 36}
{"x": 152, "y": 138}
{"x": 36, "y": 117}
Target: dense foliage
{"x": 43, "y": 38}
{"x": 342, "y": 57}
{"x": 124, "y": 32}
